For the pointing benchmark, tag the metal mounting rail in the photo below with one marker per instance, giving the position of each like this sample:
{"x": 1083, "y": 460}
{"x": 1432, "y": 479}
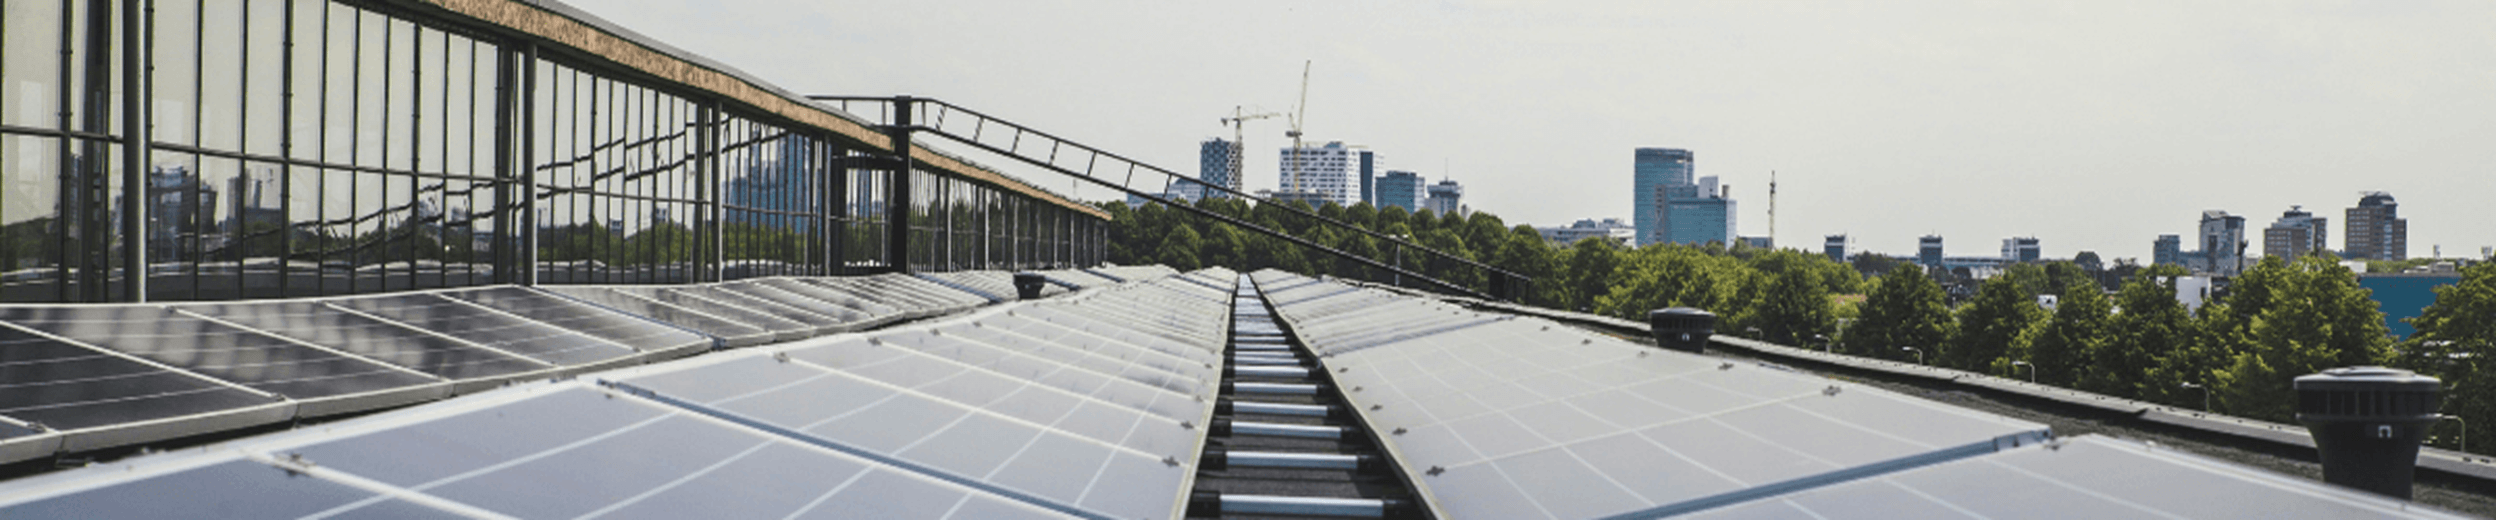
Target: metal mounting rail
{"x": 1045, "y": 150}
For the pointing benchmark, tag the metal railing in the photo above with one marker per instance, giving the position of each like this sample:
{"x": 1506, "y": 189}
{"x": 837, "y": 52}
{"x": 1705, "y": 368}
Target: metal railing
{"x": 1091, "y": 164}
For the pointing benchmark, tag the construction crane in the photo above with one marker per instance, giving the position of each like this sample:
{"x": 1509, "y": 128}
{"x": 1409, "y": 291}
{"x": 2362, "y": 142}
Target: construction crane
{"x": 1239, "y": 144}
{"x": 1300, "y": 116}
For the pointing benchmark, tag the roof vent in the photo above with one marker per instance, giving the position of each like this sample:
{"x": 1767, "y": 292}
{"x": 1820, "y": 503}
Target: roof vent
{"x": 2367, "y": 423}
{"x": 1682, "y": 328}
{"x": 1028, "y": 284}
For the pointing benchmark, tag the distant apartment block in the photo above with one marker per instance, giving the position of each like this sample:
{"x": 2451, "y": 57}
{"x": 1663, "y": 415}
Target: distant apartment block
{"x": 1446, "y": 197}
{"x": 1836, "y": 247}
{"x": 1319, "y": 174}
{"x": 1218, "y": 164}
{"x": 1928, "y": 250}
{"x": 1400, "y": 189}
{"x": 2376, "y": 229}
{"x": 2169, "y": 250}
{"x": 1613, "y": 229}
{"x": 2021, "y": 249}
{"x": 2296, "y": 233}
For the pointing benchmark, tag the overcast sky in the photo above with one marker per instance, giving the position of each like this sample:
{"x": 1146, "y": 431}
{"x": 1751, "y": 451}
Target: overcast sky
{"x": 2092, "y": 125}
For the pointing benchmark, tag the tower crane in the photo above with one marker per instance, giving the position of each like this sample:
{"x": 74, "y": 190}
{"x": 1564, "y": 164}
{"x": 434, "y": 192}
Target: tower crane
{"x": 1300, "y": 116}
{"x": 1239, "y": 144}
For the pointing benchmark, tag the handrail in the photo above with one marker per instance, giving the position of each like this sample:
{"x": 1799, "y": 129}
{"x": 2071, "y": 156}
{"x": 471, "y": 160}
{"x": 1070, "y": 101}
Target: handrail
{"x": 936, "y": 122}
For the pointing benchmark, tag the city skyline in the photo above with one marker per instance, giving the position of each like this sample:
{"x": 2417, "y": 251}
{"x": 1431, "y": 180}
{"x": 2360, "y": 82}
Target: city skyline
{"x": 2093, "y": 127}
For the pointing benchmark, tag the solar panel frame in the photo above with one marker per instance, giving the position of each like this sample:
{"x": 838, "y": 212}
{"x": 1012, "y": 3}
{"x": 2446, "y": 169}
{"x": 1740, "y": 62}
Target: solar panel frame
{"x": 514, "y": 334}
{"x": 203, "y": 345}
{"x": 431, "y": 349}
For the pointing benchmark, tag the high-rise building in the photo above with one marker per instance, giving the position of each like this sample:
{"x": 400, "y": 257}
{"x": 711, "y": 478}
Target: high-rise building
{"x": 1656, "y": 169}
{"x": 2376, "y": 229}
{"x": 1928, "y": 250}
{"x": 2297, "y": 233}
{"x": 1371, "y": 164}
{"x": 1700, "y": 220}
{"x": 2222, "y": 243}
{"x": 1319, "y": 174}
{"x": 2021, "y": 249}
{"x": 1446, "y": 197}
{"x": 1401, "y": 189}
{"x": 2168, "y": 251}
{"x": 1836, "y": 247}
{"x": 1218, "y": 163}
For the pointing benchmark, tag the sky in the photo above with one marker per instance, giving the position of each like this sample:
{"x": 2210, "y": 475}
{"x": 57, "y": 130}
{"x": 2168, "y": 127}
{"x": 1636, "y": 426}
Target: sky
{"x": 2091, "y": 125}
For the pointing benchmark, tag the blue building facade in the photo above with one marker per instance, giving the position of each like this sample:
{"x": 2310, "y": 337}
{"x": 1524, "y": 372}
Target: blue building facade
{"x": 1401, "y": 189}
{"x": 1656, "y": 169}
{"x": 1217, "y": 163}
{"x": 1701, "y": 220}
{"x": 1369, "y": 173}
{"x": 2404, "y": 296}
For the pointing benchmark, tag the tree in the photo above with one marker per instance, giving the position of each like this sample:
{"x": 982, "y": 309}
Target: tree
{"x": 2148, "y": 325}
{"x": 1989, "y": 325}
{"x": 2315, "y": 317}
{"x": 1588, "y": 275}
{"x": 1904, "y": 310}
{"x": 2059, "y": 347}
{"x": 2456, "y": 342}
{"x": 1669, "y": 275}
{"x": 1178, "y": 249}
{"x": 1794, "y": 308}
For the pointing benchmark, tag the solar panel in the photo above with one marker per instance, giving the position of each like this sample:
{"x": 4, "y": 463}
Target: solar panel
{"x": 832, "y": 317}
{"x": 914, "y": 300}
{"x": 724, "y": 326}
{"x": 953, "y": 420}
{"x": 2090, "y": 476}
{"x": 654, "y": 339}
{"x": 550, "y": 450}
{"x": 201, "y": 345}
{"x": 993, "y": 290}
{"x": 65, "y": 386}
{"x": 874, "y": 311}
{"x": 390, "y": 342}
{"x": 784, "y": 323}
{"x": 1495, "y": 417}
{"x": 499, "y": 330}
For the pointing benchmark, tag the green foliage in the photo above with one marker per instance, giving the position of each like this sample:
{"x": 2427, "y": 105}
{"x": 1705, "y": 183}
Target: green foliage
{"x": 2061, "y": 346}
{"x": 1988, "y": 325}
{"x": 2456, "y": 342}
{"x": 1661, "y": 276}
{"x": 2315, "y": 317}
{"x": 2148, "y": 326}
{"x": 1904, "y": 310}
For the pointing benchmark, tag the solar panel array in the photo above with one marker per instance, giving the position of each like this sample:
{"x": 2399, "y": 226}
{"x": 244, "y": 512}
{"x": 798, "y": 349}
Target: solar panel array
{"x": 994, "y": 285}
{"x": 83, "y": 377}
{"x": 1500, "y": 416}
{"x": 1087, "y": 406}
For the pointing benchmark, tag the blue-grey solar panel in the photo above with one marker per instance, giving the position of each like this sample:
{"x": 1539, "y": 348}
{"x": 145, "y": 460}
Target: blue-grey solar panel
{"x": 381, "y": 340}
{"x": 562, "y": 450}
{"x": 958, "y": 422}
{"x": 2087, "y": 476}
{"x": 784, "y": 323}
{"x": 201, "y": 345}
{"x": 713, "y": 323}
{"x": 65, "y": 386}
{"x": 641, "y": 334}
{"x": 831, "y": 317}
{"x": 492, "y": 328}
{"x": 1496, "y": 417}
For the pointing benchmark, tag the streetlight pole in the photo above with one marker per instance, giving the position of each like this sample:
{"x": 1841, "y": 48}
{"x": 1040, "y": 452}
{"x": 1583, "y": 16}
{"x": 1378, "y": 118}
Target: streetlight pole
{"x": 2032, "y": 370}
{"x": 1919, "y": 354}
{"x": 1825, "y": 346}
{"x": 2205, "y": 394}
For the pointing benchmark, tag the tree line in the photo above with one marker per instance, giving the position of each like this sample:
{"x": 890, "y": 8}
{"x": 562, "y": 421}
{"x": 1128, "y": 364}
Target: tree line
{"x": 2279, "y": 319}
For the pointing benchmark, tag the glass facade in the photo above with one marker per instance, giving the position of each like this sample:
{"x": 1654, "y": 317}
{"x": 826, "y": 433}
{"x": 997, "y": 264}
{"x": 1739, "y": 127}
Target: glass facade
{"x": 1401, "y": 189}
{"x": 281, "y": 148}
{"x": 1656, "y": 168}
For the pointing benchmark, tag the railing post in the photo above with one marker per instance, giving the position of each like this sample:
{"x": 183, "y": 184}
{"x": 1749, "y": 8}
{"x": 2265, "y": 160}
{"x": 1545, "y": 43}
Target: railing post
{"x": 897, "y": 192}
{"x": 134, "y": 148}
{"x": 712, "y": 244}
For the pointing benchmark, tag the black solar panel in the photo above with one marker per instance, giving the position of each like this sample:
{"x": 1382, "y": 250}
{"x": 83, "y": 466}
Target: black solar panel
{"x": 606, "y": 324}
{"x": 327, "y": 325}
{"x": 499, "y": 330}
{"x": 246, "y": 358}
{"x": 65, "y": 386}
